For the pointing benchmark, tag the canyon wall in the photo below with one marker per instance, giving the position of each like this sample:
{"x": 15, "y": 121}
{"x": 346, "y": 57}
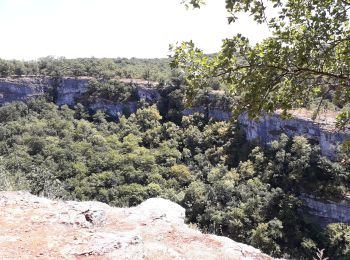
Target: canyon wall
{"x": 22, "y": 88}
{"x": 66, "y": 91}
{"x": 321, "y": 131}
{"x": 326, "y": 212}
{"x": 215, "y": 113}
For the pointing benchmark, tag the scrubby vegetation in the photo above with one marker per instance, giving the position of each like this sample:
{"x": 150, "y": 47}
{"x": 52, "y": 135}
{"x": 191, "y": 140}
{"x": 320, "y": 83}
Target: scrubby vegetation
{"x": 227, "y": 185}
{"x": 149, "y": 69}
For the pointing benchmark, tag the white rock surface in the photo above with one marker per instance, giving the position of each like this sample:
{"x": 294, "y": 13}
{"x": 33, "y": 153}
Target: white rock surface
{"x": 38, "y": 228}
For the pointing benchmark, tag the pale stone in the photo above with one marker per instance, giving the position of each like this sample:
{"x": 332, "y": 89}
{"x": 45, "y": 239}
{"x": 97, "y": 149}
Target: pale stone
{"x": 37, "y": 227}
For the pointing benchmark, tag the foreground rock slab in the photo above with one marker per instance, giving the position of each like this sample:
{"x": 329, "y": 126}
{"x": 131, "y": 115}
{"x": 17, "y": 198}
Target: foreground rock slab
{"x": 37, "y": 228}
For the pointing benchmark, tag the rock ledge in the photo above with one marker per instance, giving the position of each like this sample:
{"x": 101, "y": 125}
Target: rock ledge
{"x": 32, "y": 227}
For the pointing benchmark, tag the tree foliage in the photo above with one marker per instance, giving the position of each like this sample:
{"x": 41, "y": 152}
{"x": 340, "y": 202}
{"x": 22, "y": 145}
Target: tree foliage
{"x": 306, "y": 57}
{"x": 148, "y": 69}
{"x": 228, "y": 186}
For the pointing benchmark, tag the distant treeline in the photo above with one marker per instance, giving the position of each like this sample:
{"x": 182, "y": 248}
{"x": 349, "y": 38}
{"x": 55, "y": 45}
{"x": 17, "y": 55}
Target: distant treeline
{"x": 149, "y": 69}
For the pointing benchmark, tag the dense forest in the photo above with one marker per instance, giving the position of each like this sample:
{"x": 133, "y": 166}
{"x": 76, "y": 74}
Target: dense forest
{"x": 247, "y": 191}
{"x": 228, "y": 186}
{"x": 149, "y": 69}
{"x": 158, "y": 70}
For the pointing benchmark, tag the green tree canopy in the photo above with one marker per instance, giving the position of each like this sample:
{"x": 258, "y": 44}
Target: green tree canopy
{"x": 306, "y": 57}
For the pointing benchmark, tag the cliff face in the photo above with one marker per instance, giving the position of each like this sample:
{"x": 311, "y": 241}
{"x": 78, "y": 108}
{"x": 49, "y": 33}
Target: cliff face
{"x": 33, "y": 227}
{"x": 213, "y": 113}
{"x": 66, "y": 91}
{"x": 326, "y": 212}
{"x": 21, "y": 89}
{"x": 268, "y": 128}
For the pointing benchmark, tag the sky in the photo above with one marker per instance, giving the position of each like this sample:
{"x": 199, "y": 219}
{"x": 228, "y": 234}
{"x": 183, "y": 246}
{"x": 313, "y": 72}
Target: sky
{"x": 31, "y": 29}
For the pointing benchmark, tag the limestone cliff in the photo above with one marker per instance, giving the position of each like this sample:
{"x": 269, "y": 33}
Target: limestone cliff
{"x": 326, "y": 212}
{"x": 33, "y": 227}
{"x": 64, "y": 90}
{"x": 68, "y": 90}
{"x": 22, "y": 88}
{"x": 321, "y": 131}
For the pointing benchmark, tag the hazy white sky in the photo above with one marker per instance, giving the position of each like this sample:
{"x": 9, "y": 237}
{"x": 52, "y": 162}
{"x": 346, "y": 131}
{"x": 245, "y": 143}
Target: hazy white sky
{"x": 112, "y": 28}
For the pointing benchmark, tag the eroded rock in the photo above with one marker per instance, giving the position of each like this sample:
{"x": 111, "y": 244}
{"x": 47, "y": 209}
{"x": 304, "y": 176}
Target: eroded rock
{"x": 33, "y": 227}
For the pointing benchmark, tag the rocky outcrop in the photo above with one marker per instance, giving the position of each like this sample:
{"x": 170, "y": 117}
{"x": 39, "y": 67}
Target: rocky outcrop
{"x": 22, "y": 88}
{"x": 114, "y": 109}
{"x": 33, "y": 227}
{"x": 322, "y": 131}
{"x": 65, "y": 91}
{"x": 326, "y": 212}
{"x": 68, "y": 90}
{"x": 268, "y": 128}
{"x": 215, "y": 113}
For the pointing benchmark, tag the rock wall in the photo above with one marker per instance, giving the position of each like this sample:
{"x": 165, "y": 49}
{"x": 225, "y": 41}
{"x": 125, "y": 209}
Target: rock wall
{"x": 113, "y": 109}
{"x": 148, "y": 93}
{"x": 326, "y": 212}
{"x": 21, "y": 89}
{"x": 33, "y": 227}
{"x": 212, "y": 113}
{"x": 269, "y": 128}
{"x": 66, "y": 91}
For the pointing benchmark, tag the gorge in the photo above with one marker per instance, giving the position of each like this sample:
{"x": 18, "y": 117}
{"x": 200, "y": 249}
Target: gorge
{"x": 94, "y": 156}
{"x": 67, "y": 90}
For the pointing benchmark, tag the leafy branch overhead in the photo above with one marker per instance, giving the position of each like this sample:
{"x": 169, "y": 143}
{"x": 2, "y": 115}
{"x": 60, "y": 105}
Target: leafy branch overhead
{"x": 193, "y": 3}
{"x": 306, "y": 57}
